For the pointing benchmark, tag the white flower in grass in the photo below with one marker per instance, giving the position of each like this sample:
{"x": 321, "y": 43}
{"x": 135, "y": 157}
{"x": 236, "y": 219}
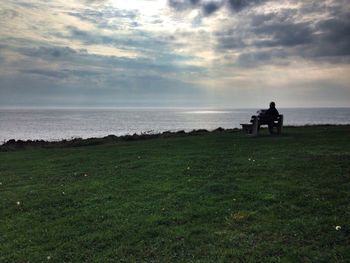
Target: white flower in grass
{"x": 249, "y": 159}
{"x": 85, "y": 175}
{"x": 18, "y": 202}
{"x": 48, "y": 257}
{"x": 188, "y": 168}
{"x": 63, "y": 193}
{"x": 0, "y": 183}
{"x": 337, "y": 228}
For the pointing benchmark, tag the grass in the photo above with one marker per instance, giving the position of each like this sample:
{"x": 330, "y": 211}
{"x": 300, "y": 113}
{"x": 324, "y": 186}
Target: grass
{"x": 216, "y": 197}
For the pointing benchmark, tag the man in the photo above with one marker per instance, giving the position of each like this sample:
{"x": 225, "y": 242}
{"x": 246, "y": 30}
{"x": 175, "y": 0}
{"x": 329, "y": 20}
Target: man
{"x": 269, "y": 116}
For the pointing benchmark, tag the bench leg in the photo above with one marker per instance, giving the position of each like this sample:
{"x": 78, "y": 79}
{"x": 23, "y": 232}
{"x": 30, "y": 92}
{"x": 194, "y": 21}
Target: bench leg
{"x": 280, "y": 125}
{"x": 255, "y": 127}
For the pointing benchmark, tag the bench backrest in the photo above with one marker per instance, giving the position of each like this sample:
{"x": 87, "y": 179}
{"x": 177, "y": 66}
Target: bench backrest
{"x": 278, "y": 119}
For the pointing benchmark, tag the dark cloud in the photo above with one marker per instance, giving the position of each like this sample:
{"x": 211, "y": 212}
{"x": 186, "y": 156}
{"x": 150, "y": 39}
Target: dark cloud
{"x": 337, "y": 31}
{"x": 329, "y": 37}
{"x": 282, "y": 16}
{"x": 48, "y": 53}
{"x": 239, "y": 5}
{"x": 229, "y": 41}
{"x": 315, "y": 30}
{"x": 210, "y": 7}
{"x": 207, "y": 7}
{"x": 272, "y": 37}
{"x": 181, "y": 5}
{"x": 287, "y": 34}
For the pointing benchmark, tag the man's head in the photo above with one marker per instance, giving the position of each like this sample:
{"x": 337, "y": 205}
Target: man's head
{"x": 272, "y": 104}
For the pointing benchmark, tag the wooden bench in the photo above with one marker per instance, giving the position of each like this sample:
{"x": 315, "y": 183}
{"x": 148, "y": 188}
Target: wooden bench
{"x": 253, "y": 127}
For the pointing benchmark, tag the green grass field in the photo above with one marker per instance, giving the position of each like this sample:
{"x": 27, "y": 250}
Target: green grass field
{"x": 216, "y": 197}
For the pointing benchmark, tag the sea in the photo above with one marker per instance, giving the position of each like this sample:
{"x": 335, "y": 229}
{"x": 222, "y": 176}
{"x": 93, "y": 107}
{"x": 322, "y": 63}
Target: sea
{"x": 57, "y": 124}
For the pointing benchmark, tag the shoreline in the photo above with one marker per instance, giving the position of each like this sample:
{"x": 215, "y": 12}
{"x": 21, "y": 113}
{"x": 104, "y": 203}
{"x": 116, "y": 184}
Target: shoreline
{"x": 14, "y": 144}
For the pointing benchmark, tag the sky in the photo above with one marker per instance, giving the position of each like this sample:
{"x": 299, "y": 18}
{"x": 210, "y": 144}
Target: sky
{"x": 174, "y": 53}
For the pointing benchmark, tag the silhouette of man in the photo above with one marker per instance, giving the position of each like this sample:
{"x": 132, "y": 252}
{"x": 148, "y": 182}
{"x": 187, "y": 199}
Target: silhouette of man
{"x": 269, "y": 116}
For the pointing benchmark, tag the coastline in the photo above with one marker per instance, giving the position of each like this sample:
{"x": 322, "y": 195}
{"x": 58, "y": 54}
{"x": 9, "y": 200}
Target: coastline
{"x": 13, "y": 144}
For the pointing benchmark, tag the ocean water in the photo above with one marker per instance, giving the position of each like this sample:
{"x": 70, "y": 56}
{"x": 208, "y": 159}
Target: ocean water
{"x": 56, "y": 124}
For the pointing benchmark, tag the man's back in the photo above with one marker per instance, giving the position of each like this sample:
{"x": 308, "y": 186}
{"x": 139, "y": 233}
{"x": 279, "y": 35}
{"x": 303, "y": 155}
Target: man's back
{"x": 272, "y": 112}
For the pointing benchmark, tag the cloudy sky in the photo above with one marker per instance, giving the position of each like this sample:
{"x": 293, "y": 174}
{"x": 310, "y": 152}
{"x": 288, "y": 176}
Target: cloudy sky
{"x": 228, "y": 53}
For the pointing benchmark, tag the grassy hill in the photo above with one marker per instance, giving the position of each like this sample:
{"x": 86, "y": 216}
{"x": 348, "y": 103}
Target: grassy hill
{"x": 214, "y": 197}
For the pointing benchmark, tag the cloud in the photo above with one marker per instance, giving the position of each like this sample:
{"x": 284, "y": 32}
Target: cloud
{"x": 271, "y": 37}
{"x": 333, "y": 38}
{"x": 261, "y": 58}
{"x": 132, "y": 50}
{"x": 45, "y": 72}
{"x": 8, "y": 14}
{"x": 63, "y": 73}
{"x": 102, "y": 17}
{"x": 181, "y": 5}
{"x": 207, "y": 7}
{"x": 271, "y": 31}
{"x": 285, "y": 34}
{"x": 49, "y": 53}
{"x": 94, "y": 2}
{"x": 210, "y": 7}
{"x": 239, "y": 5}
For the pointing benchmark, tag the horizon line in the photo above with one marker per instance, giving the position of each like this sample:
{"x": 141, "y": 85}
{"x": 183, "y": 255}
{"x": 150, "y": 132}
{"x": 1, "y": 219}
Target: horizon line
{"x": 159, "y": 107}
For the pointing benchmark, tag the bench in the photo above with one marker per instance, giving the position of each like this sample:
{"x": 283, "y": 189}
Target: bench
{"x": 253, "y": 127}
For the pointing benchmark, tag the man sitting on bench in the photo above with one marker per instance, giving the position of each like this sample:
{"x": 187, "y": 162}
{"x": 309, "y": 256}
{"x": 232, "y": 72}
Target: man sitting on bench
{"x": 269, "y": 116}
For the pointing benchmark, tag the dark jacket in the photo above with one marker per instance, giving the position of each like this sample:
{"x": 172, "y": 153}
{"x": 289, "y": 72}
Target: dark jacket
{"x": 272, "y": 113}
